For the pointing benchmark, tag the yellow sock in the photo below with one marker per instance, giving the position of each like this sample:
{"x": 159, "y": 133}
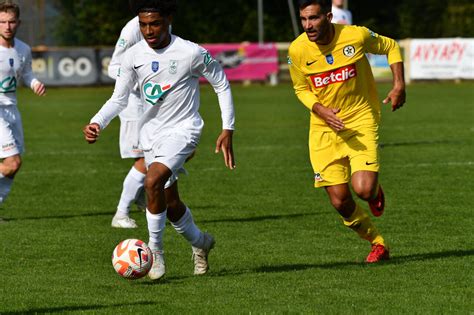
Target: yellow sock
{"x": 360, "y": 222}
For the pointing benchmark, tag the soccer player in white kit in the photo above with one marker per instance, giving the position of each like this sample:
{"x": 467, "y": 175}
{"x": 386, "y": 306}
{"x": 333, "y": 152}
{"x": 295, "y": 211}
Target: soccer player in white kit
{"x": 132, "y": 191}
{"x": 15, "y": 63}
{"x": 339, "y": 14}
{"x": 167, "y": 69}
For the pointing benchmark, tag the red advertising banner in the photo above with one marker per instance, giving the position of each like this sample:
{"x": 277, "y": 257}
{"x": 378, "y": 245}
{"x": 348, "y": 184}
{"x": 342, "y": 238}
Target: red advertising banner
{"x": 246, "y": 61}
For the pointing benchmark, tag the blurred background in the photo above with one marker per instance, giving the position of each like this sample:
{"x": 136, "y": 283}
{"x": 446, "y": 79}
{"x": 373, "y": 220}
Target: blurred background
{"x": 91, "y": 22}
{"x": 55, "y": 25}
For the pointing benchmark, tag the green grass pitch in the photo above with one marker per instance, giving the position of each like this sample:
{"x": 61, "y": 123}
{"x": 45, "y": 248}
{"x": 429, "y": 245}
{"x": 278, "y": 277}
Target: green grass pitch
{"x": 281, "y": 248}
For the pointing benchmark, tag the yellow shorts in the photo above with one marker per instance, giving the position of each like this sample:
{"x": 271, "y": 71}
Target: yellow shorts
{"x": 335, "y": 156}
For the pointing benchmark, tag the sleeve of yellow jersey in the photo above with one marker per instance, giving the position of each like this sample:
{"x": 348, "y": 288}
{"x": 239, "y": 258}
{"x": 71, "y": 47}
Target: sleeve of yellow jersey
{"x": 381, "y": 45}
{"x": 300, "y": 83}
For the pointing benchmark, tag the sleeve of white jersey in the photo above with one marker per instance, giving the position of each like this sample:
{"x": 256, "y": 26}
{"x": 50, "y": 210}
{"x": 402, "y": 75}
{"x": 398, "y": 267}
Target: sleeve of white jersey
{"x": 27, "y": 72}
{"x": 204, "y": 65}
{"x": 118, "y": 102}
{"x": 128, "y": 38}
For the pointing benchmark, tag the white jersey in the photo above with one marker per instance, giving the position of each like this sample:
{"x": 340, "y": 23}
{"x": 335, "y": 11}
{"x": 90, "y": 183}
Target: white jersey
{"x": 341, "y": 16}
{"x": 129, "y": 36}
{"x": 168, "y": 80}
{"x": 15, "y": 64}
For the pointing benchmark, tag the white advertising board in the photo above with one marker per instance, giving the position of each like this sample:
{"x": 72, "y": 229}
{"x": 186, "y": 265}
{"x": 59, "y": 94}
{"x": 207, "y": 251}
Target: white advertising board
{"x": 447, "y": 58}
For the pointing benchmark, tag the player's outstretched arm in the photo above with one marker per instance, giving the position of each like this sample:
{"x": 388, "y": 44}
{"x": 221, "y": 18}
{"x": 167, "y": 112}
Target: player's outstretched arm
{"x": 39, "y": 88}
{"x": 397, "y": 95}
{"x": 224, "y": 144}
{"x": 91, "y": 132}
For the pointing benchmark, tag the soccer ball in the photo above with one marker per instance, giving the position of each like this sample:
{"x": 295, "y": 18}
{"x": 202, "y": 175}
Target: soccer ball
{"x": 132, "y": 259}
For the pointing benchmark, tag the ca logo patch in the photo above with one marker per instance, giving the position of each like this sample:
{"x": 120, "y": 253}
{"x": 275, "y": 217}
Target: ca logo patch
{"x": 8, "y": 85}
{"x": 122, "y": 42}
{"x": 154, "y": 91}
{"x": 207, "y": 57}
{"x": 373, "y": 34}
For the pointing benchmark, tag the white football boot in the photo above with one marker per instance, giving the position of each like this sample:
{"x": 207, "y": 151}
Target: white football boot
{"x": 158, "y": 268}
{"x": 201, "y": 265}
{"x": 124, "y": 222}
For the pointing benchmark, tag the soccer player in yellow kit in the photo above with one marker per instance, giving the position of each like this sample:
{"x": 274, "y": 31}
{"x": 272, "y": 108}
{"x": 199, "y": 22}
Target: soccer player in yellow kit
{"x": 332, "y": 78}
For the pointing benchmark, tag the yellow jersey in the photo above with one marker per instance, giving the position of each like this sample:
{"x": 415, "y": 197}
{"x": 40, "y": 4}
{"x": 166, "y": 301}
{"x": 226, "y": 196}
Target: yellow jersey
{"x": 338, "y": 75}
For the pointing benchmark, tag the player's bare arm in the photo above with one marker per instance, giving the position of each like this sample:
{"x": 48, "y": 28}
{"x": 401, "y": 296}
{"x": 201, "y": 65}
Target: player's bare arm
{"x": 224, "y": 144}
{"x": 397, "y": 95}
{"x": 91, "y": 132}
{"x": 329, "y": 116}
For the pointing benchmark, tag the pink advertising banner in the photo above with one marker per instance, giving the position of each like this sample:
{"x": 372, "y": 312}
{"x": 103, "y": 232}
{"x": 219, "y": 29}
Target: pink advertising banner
{"x": 246, "y": 61}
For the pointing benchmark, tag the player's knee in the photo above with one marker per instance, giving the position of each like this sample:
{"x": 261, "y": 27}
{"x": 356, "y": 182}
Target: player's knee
{"x": 11, "y": 167}
{"x": 155, "y": 183}
{"x": 364, "y": 184}
{"x": 365, "y": 192}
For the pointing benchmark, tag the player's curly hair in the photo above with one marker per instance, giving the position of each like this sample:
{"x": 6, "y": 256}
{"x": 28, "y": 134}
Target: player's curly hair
{"x": 326, "y": 5}
{"x": 163, "y": 7}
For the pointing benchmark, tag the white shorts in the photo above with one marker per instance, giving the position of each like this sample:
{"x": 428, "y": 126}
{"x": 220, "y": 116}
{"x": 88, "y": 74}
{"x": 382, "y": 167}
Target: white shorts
{"x": 11, "y": 132}
{"x": 171, "y": 150}
{"x": 129, "y": 133}
{"x": 129, "y": 143}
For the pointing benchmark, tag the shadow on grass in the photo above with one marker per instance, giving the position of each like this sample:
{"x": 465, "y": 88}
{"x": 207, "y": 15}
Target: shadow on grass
{"x": 69, "y": 216}
{"x": 111, "y": 213}
{"x": 340, "y": 265}
{"x": 421, "y": 142}
{"x": 64, "y": 216}
{"x": 170, "y": 279}
{"x": 261, "y": 218}
{"x": 396, "y": 260}
{"x": 48, "y": 310}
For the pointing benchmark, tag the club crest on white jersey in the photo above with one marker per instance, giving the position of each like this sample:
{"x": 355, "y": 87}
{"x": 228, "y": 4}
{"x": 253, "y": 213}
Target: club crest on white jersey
{"x": 155, "y": 66}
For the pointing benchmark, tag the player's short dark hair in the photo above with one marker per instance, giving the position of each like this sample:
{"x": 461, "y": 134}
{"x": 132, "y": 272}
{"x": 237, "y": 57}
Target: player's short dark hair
{"x": 10, "y": 6}
{"x": 163, "y": 7}
{"x": 326, "y": 5}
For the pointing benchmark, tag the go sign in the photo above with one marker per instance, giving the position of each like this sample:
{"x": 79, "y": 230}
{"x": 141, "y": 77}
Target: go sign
{"x": 66, "y": 67}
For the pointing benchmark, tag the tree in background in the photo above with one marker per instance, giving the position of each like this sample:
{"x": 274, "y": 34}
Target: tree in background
{"x": 434, "y": 18}
{"x": 416, "y": 19}
{"x": 380, "y": 16}
{"x": 90, "y": 22}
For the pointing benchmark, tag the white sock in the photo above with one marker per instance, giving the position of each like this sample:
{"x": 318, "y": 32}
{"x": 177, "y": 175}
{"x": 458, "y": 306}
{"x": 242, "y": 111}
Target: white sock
{"x": 186, "y": 227}
{"x": 132, "y": 185}
{"x": 5, "y": 187}
{"x": 156, "y": 229}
